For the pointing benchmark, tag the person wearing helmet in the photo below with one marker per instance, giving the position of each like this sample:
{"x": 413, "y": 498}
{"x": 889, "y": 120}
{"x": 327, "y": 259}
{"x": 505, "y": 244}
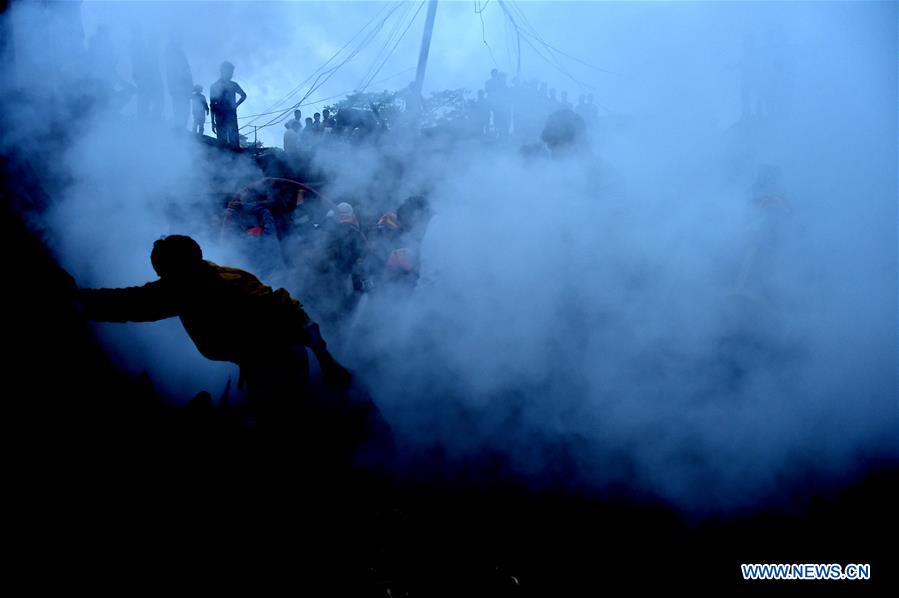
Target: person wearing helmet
{"x": 249, "y": 227}
{"x": 337, "y": 266}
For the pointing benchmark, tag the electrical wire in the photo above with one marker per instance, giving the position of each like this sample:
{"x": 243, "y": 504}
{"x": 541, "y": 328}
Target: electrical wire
{"x": 393, "y": 49}
{"x": 390, "y": 38}
{"x": 484, "y": 31}
{"x": 319, "y": 72}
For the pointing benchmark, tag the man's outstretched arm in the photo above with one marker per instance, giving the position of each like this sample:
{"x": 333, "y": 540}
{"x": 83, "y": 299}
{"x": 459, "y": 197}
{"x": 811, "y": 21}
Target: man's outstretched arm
{"x": 146, "y": 303}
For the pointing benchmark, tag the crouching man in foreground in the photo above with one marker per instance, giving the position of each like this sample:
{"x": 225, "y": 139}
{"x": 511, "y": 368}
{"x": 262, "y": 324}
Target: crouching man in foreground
{"x": 231, "y": 316}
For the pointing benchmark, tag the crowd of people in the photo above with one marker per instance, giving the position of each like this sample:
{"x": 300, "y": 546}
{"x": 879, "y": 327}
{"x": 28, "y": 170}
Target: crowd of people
{"x": 334, "y": 251}
{"x": 499, "y": 110}
{"x": 522, "y": 108}
{"x": 330, "y": 252}
{"x": 287, "y": 235}
{"x": 302, "y": 133}
{"x": 189, "y": 106}
{"x": 287, "y": 232}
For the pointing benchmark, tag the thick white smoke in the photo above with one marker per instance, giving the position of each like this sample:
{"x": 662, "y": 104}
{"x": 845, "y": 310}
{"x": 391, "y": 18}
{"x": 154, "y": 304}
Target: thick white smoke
{"x": 634, "y": 303}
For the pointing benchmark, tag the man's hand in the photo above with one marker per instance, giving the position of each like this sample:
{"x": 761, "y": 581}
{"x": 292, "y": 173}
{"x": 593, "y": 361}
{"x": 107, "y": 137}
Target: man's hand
{"x": 313, "y": 337}
{"x": 336, "y": 376}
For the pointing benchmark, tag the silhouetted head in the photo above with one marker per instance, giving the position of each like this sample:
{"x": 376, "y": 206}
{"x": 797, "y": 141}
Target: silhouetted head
{"x": 176, "y": 257}
{"x": 317, "y": 116}
{"x": 564, "y": 130}
{"x": 226, "y": 70}
{"x": 326, "y": 113}
{"x": 308, "y": 121}
{"x": 494, "y": 73}
{"x": 297, "y": 115}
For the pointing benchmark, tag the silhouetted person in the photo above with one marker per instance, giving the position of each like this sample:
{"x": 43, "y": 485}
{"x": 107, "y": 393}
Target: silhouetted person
{"x": 199, "y": 109}
{"x": 317, "y": 123}
{"x": 146, "y": 74}
{"x": 413, "y": 217}
{"x": 492, "y": 81}
{"x": 328, "y": 121}
{"x": 591, "y": 111}
{"x": 480, "y": 114}
{"x": 249, "y": 227}
{"x": 553, "y": 101}
{"x": 306, "y": 134}
{"x": 230, "y": 316}
{"x": 528, "y": 115}
{"x": 394, "y": 257}
{"x": 498, "y": 97}
{"x": 581, "y": 104}
{"x": 223, "y": 97}
{"x": 357, "y": 123}
{"x": 291, "y": 138}
{"x": 103, "y": 67}
{"x": 336, "y": 270}
{"x": 180, "y": 81}
{"x": 383, "y": 240}
{"x": 565, "y": 104}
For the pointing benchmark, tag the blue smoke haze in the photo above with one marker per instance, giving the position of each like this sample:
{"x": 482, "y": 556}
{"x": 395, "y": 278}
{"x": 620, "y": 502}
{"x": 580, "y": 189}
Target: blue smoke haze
{"x": 632, "y": 303}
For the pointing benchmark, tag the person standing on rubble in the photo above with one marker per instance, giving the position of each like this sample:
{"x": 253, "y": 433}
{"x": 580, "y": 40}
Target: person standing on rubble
{"x": 180, "y": 82}
{"x": 199, "y": 108}
{"x": 224, "y": 95}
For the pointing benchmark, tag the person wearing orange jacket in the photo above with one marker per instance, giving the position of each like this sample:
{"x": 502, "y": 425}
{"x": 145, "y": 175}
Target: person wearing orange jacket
{"x": 230, "y": 316}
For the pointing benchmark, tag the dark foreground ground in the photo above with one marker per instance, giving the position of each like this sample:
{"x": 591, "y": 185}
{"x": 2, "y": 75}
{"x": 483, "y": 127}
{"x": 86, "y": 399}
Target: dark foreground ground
{"x": 106, "y": 487}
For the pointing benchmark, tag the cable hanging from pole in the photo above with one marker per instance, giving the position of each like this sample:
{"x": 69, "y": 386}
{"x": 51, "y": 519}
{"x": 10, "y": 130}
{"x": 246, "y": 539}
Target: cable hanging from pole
{"x": 319, "y": 73}
{"x": 537, "y": 37}
{"x": 393, "y": 49}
